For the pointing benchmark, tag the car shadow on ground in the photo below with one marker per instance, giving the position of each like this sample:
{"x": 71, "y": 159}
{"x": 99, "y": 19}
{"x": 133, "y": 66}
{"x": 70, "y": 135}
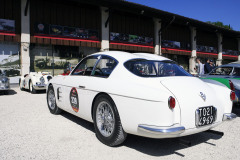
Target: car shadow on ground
{"x": 10, "y": 92}
{"x": 163, "y": 147}
{"x": 153, "y": 147}
{"x": 38, "y": 92}
{"x": 79, "y": 121}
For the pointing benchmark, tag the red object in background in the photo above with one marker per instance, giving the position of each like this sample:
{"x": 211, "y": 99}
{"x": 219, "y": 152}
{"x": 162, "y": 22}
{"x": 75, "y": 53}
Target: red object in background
{"x": 65, "y": 74}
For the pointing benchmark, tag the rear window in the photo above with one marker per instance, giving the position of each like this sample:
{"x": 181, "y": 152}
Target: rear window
{"x": 147, "y": 68}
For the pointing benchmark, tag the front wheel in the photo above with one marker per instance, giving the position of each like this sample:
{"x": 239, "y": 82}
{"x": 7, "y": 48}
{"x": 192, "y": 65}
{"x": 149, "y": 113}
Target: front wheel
{"x": 107, "y": 122}
{"x": 51, "y": 101}
{"x": 31, "y": 88}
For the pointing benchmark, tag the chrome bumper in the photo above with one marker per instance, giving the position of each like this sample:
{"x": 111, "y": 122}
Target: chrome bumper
{"x": 171, "y": 130}
{"x": 229, "y": 116}
{"x": 39, "y": 86}
{"x": 4, "y": 88}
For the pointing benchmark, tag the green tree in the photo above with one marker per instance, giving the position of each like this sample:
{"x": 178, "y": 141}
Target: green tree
{"x": 220, "y": 24}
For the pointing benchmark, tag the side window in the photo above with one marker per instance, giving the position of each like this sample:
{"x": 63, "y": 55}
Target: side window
{"x": 86, "y": 66}
{"x": 236, "y": 72}
{"x": 105, "y": 67}
{"x": 222, "y": 71}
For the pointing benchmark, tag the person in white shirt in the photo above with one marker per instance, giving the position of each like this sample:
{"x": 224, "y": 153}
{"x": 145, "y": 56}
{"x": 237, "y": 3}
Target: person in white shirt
{"x": 200, "y": 67}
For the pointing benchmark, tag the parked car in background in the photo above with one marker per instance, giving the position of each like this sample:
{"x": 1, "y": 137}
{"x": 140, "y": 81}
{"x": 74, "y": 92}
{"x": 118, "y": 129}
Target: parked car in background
{"x": 12, "y": 72}
{"x": 34, "y": 81}
{"x": 141, "y": 94}
{"x": 229, "y": 75}
{"x": 4, "y": 83}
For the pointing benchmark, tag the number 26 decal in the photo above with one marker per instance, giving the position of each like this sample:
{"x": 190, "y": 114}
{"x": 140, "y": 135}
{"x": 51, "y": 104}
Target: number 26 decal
{"x": 74, "y": 99}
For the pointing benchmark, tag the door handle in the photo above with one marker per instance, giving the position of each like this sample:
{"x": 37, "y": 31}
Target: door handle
{"x": 83, "y": 87}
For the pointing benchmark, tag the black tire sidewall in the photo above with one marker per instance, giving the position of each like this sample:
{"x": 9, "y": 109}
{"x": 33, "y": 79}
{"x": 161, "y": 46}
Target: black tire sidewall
{"x": 55, "y": 110}
{"x": 33, "y": 91}
{"x": 111, "y": 139}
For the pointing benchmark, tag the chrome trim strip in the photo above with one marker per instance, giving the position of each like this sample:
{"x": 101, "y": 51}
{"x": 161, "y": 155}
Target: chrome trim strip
{"x": 110, "y": 93}
{"x": 171, "y": 130}
{"x": 229, "y": 116}
{"x": 39, "y": 85}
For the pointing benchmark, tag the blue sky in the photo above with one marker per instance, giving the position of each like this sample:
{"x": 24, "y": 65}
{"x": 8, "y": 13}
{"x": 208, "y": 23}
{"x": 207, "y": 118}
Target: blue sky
{"x": 226, "y": 11}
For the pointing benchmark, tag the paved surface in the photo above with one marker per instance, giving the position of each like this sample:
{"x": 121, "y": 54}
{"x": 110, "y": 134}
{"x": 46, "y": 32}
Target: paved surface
{"x": 29, "y": 131}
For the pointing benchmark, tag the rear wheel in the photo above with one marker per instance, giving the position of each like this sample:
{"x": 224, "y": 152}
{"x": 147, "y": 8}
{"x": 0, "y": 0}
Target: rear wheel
{"x": 107, "y": 122}
{"x": 51, "y": 101}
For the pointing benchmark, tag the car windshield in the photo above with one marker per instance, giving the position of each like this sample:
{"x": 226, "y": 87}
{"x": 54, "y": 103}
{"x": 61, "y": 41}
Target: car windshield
{"x": 222, "y": 71}
{"x": 148, "y": 68}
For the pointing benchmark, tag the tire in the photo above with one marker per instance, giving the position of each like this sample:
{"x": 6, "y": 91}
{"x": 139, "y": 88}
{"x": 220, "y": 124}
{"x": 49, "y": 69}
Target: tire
{"x": 51, "y": 101}
{"x": 31, "y": 88}
{"x": 113, "y": 134}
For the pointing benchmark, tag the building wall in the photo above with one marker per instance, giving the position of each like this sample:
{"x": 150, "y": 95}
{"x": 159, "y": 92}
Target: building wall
{"x": 67, "y": 14}
{"x": 130, "y": 24}
{"x": 10, "y": 10}
{"x": 80, "y": 25}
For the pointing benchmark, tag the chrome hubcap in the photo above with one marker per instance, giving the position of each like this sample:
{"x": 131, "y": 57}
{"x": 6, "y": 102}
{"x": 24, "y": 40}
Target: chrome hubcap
{"x": 51, "y": 99}
{"x": 105, "y": 119}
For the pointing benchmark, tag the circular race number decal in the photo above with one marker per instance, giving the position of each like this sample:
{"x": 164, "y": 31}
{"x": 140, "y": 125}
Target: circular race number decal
{"x": 74, "y": 99}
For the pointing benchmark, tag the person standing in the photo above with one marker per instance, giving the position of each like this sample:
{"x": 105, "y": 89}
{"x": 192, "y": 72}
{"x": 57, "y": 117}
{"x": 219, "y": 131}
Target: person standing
{"x": 200, "y": 67}
{"x": 212, "y": 65}
{"x": 207, "y": 67}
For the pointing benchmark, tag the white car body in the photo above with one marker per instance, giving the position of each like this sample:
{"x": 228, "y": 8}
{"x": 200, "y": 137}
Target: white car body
{"x": 142, "y": 103}
{"x": 39, "y": 80}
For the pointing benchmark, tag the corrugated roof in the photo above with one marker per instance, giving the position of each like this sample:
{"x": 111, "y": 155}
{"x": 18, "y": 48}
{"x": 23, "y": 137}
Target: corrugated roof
{"x": 164, "y": 15}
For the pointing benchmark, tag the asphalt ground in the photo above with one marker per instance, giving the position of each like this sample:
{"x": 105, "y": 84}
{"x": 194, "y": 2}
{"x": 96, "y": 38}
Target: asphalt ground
{"x": 29, "y": 131}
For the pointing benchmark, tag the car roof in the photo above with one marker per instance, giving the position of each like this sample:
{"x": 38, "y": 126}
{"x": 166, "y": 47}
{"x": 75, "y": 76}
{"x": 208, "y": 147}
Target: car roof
{"x": 236, "y": 62}
{"x": 125, "y": 56}
{"x": 230, "y": 65}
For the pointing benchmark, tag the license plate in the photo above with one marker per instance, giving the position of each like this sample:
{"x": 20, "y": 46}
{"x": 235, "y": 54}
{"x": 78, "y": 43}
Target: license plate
{"x": 205, "y": 116}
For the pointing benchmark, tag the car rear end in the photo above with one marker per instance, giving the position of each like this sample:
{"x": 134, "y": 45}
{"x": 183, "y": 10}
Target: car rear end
{"x": 180, "y": 105}
{"x": 202, "y": 107}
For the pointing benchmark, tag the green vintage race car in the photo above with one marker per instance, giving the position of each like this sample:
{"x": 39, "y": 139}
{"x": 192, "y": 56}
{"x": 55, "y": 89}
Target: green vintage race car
{"x": 228, "y": 75}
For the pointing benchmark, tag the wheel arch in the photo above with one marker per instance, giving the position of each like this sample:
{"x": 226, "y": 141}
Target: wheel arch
{"x": 50, "y": 84}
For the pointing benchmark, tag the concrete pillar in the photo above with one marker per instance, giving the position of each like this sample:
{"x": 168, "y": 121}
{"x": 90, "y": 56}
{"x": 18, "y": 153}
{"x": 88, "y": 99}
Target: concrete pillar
{"x": 238, "y": 48}
{"x": 157, "y": 45}
{"x": 25, "y": 38}
{"x": 192, "y": 60}
{"x": 105, "y": 29}
{"x": 220, "y": 39}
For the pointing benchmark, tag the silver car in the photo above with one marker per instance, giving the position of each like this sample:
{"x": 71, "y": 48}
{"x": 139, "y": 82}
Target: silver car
{"x": 4, "y": 83}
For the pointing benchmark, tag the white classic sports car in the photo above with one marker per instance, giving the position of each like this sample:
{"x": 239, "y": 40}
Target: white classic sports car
{"x": 141, "y": 94}
{"x": 34, "y": 81}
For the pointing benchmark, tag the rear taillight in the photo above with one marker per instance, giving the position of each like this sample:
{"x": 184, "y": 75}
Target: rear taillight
{"x": 232, "y": 95}
{"x": 171, "y": 102}
{"x": 231, "y": 85}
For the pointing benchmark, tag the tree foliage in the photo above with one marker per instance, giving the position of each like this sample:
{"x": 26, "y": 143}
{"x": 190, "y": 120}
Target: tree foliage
{"x": 220, "y": 24}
